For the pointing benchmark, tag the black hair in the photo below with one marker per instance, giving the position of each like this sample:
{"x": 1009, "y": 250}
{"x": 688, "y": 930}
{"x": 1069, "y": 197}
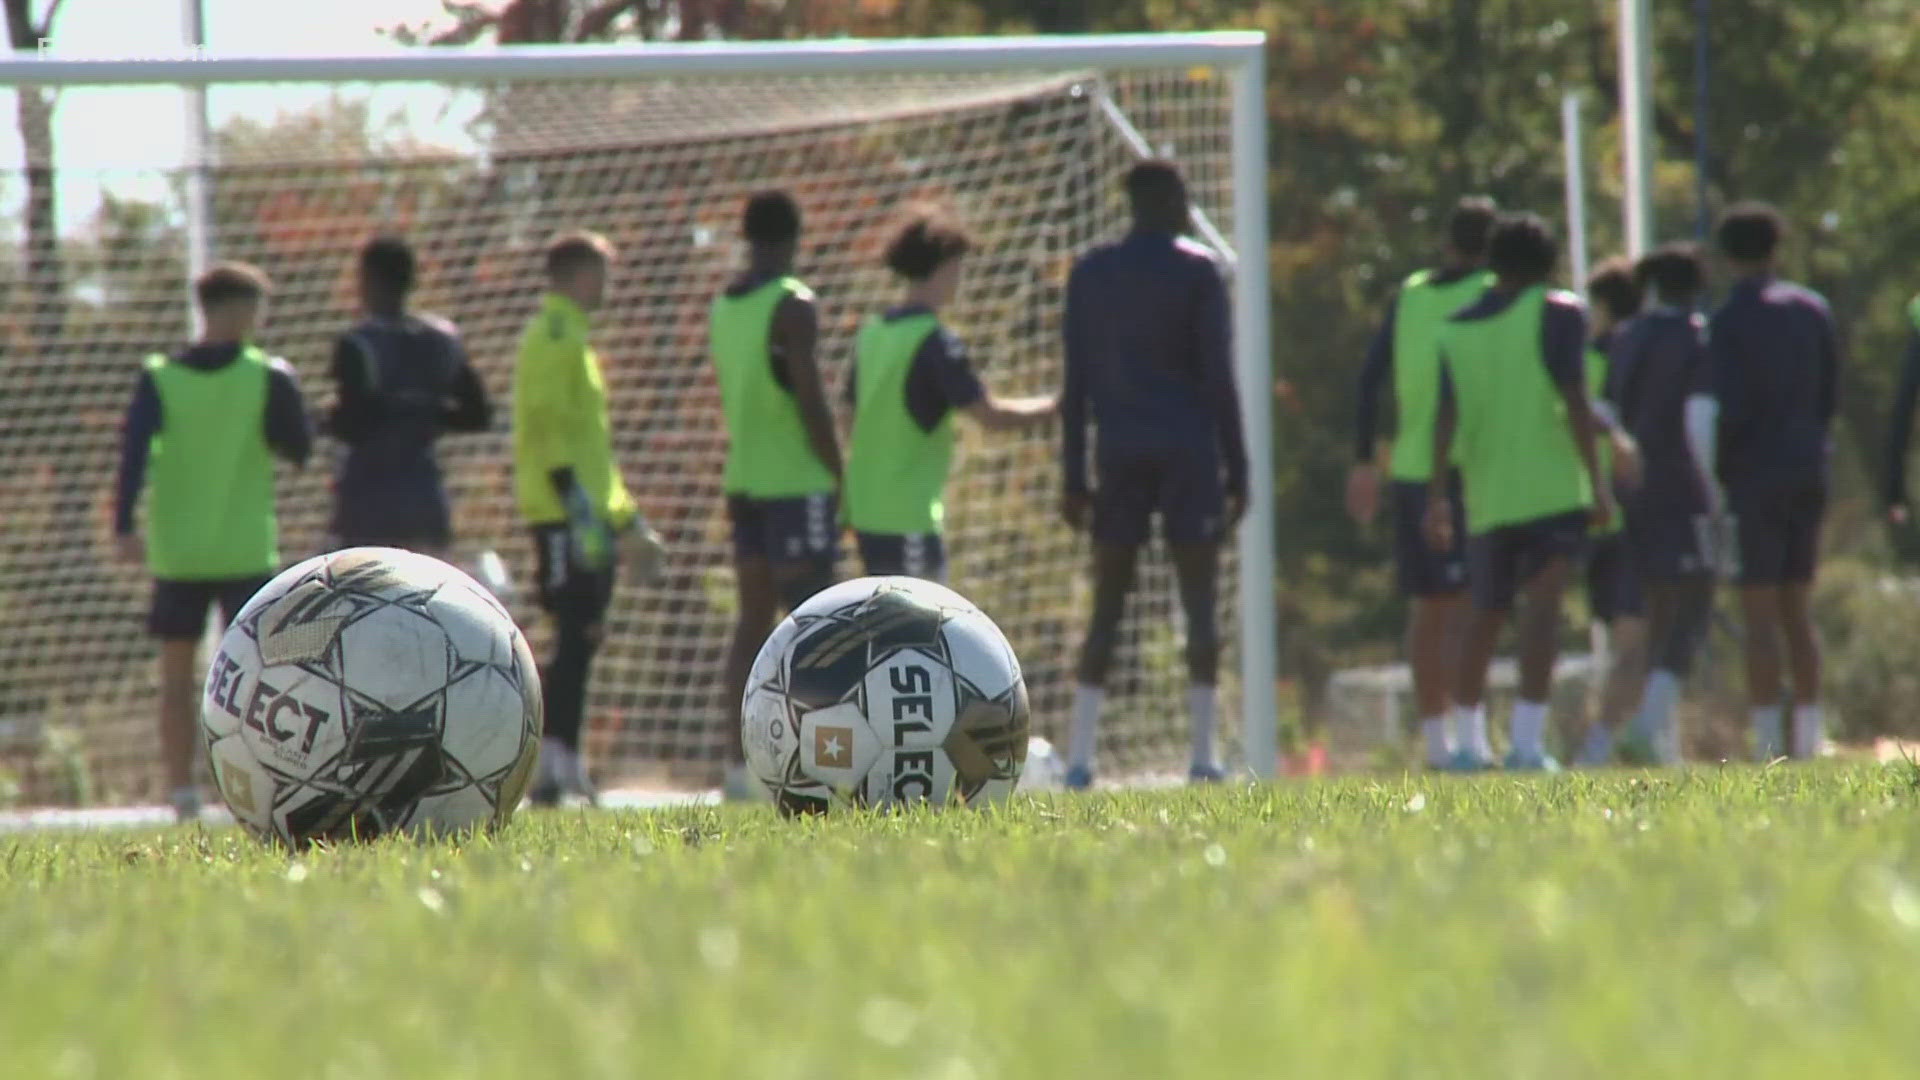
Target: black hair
{"x": 1749, "y": 231}
{"x": 771, "y": 217}
{"x": 1469, "y": 224}
{"x": 1157, "y": 194}
{"x": 1612, "y": 285}
{"x": 1522, "y": 246}
{"x": 1676, "y": 272}
{"x": 387, "y": 261}
{"x": 924, "y": 243}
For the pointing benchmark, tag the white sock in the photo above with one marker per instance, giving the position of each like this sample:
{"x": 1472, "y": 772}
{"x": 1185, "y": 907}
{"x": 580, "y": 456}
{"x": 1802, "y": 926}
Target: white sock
{"x": 1202, "y": 706}
{"x": 1807, "y": 732}
{"x": 1086, "y": 726}
{"x": 1439, "y": 740}
{"x": 1470, "y": 730}
{"x": 556, "y": 761}
{"x": 1767, "y": 743}
{"x": 1529, "y": 725}
{"x": 1657, "y": 700}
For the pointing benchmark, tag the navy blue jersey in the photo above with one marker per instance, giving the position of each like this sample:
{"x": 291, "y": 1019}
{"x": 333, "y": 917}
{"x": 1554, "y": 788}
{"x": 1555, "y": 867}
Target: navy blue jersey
{"x": 400, "y": 382}
{"x": 1775, "y": 359}
{"x": 1149, "y": 358}
{"x": 942, "y": 379}
{"x": 1656, "y": 361}
{"x": 287, "y": 430}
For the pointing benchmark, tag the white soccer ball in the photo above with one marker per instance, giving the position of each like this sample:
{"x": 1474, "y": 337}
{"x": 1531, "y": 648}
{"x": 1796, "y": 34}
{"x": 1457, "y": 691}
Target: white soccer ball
{"x": 882, "y": 691}
{"x": 371, "y": 691}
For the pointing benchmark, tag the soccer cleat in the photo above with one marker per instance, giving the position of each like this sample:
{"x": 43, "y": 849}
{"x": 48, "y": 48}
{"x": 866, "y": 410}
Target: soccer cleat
{"x": 1078, "y": 778}
{"x": 1467, "y": 761}
{"x": 576, "y": 787}
{"x": 1206, "y": 774}
{"x": 551, "y": 777}
{"x": 1518, "y": 762}
{"x": 1597, "y": 750}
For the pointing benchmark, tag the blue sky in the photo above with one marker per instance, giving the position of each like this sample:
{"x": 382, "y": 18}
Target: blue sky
{"x": 114, "y": 137}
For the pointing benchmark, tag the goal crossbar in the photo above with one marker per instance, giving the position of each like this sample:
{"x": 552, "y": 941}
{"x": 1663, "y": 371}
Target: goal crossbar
{"x": 1237, "y": 56}
{"x": 1228, "y": 50}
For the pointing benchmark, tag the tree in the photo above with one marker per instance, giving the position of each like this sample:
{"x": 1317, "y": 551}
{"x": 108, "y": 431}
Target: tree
{"x": 34, "y": 114}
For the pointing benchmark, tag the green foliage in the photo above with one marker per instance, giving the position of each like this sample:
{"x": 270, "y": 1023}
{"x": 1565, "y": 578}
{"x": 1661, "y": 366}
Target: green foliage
{"x": 1734, "y": 922}
{"x": 1869, "y": 620}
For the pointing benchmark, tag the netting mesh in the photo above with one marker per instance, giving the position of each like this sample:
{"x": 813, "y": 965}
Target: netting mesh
{"x": 661, "y": 166}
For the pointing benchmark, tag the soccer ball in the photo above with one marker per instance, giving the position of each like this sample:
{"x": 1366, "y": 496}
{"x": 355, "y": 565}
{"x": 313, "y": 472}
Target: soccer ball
{"x": 371, "y": 691}
{"x": 883, "y": 691}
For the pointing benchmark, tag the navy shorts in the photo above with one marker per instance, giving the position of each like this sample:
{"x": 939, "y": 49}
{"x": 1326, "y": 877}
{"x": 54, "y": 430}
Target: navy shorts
{"x": 179, "y": 608}
{"x": 1501, "y": 560}
{"x": 1779, "y": 531}
{"x": 569, "y": 591}
{"x": 1419, "y": 568}
{"x": 797, "y": 529}
{"x": 1669, "y": 543}
{"x": 920, "y": 555}
{"x": 1184, "y": 489}
{"x": 1613, "y": 579}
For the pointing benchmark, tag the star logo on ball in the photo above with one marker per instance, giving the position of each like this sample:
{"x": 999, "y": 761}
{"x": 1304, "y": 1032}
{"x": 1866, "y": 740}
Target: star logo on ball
{"x": 833, "y": 746}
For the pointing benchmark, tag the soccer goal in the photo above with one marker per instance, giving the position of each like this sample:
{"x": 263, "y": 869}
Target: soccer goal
{"x": 478, "y": 157}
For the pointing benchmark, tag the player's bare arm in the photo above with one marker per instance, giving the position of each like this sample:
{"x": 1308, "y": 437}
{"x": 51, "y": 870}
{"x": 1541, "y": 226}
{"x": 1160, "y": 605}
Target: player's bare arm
{"x": 796, "y": 333}
{"x": 1437, "y": 525}
{"x": 1585, "y": 429}
{"x": 1006, "y": 414}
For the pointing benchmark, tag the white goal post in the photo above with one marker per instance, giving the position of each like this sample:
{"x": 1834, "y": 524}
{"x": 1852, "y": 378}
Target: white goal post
{"x": 1197, "y": 98}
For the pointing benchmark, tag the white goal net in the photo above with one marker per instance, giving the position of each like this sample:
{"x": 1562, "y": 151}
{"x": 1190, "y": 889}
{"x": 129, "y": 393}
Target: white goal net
{"x": 478, "y": 176}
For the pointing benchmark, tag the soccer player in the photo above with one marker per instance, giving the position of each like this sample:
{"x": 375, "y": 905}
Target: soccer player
{"x": 1515, "y": 411}
{"x": 1657, "y": 372}
{"x": 1900, "y": 425}
{"x": 1148, "y": 360}
{"x": 1775, "y": 358}
{"x": 571, "y": 494}
{"x": 199, "y": 438}
{"x": 910, "y": 376}
{"x": 783, "y": 467}
{"x": 1614, "y": 596}
{"x": 1404, "y": 355}
{"x": 400, "y": 379}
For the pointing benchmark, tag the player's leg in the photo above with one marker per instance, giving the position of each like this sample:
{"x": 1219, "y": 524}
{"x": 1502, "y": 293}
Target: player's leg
{"x": 802, "y": 541}
{"x": 1493, "y": 577}
{"x": 1435, "y": 584}
{"x": 1763, "y": 540}
{"x": 1548, "y": 552}
{"x": 1678, "y": 609}
{"x": 574, "y": 598}
{"x": 1617, "y": 606}
{"x": 756, "y": 605}
{"x": 1192, "y": 507}
{"x": 1125, "y": 496}
{"x": 1796, "y": 621}
{"x": 1803, "y": 664}
{"x": 1196, "y": 567}
{"x": 1113, "y": 568}
{"x": 178, "y": 618}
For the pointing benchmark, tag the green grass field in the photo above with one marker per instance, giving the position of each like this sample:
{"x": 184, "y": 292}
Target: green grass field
{"x": 1715, "y": 923}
